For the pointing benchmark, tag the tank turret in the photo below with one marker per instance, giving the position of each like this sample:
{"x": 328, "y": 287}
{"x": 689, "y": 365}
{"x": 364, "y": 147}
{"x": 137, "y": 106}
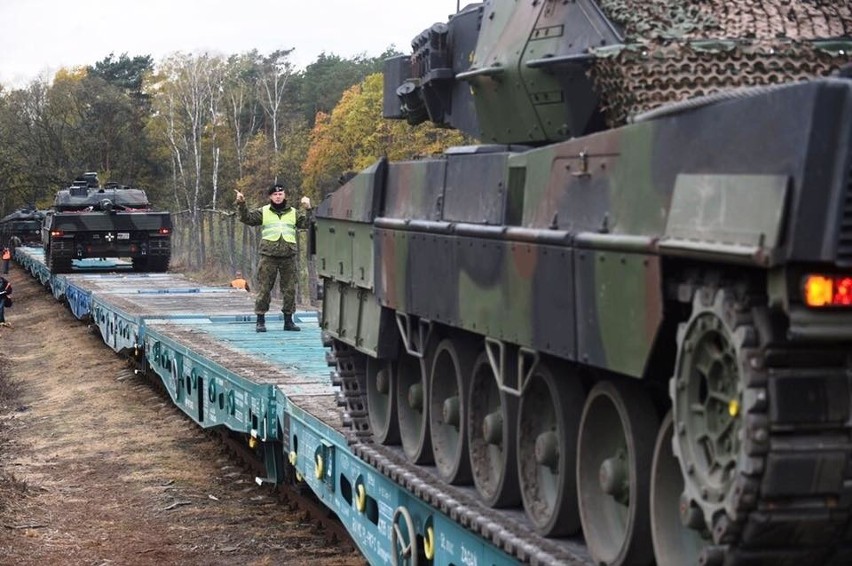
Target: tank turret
{"x": 537, "y": 72}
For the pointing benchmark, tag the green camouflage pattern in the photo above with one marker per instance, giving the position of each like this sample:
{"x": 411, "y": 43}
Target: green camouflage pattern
{"x": 269, "y": 268}
{"x": 535, "y": 310}
{"x": 549, "y": 71}
{"x": 582, "y": 274}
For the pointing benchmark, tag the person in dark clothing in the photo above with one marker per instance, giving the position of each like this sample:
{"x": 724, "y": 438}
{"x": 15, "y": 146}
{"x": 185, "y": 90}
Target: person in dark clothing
{"x": 7, "y": 257}
{"x": 5, "y": 299}
{"x": 279, "y": 222}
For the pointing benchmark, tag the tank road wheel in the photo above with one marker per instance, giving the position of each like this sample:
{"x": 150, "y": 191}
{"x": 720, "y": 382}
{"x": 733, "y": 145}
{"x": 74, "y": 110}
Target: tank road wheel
{"x": 381, "y": 394}
{"x": 491, "y": 418}
{"x": 614, "y": 456}
{"x": 448, "y": 402}
{"x": 413, "y": 409}
{"x": 548, "y": 423}
{"x": 712, "y": 372}
{"x": 675, "y": 543}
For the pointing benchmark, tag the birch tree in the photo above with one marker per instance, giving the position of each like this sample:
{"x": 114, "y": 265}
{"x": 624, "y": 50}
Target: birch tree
{"x": 275, "y": 75}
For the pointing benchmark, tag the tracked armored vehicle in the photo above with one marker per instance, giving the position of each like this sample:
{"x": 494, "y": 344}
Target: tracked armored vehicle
{"x": 112, "y": 221}
{"x": 23, "y": 224}
{"x": 629, "y": 314}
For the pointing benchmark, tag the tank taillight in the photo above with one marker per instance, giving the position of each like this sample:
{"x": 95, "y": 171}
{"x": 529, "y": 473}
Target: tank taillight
{"x": 57, "y": 233}
{"x": 163, "y": 231}
{"x": 827, "y": 291}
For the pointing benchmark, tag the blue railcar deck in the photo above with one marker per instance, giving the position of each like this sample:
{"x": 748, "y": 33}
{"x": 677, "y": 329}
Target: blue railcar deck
{"x": 272, "y": 387}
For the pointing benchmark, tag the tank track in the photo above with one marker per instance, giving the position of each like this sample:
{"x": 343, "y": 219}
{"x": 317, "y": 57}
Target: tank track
{"x": 508, "y": 531}
{"x": 794, "y": 499}
{"x": 351, "y": 377}
{"x": 788, "y": 508}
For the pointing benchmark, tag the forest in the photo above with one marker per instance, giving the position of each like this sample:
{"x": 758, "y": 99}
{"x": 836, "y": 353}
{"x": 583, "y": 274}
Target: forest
{"x": 191, "y": 128}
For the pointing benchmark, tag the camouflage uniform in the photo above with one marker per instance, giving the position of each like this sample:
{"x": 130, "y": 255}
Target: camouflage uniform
{"x": 275, "y": 257}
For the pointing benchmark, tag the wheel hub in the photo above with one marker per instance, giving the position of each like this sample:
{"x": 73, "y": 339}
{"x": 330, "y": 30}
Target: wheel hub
{"x": 707, "y": 394}
{"x": 614, "y": 478}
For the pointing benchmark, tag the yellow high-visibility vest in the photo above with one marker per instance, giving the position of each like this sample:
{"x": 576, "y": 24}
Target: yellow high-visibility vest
{"x": 275, "y": 227}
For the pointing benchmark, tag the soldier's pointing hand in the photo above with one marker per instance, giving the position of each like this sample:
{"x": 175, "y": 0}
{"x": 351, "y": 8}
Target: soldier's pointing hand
{"x": 306, "y": 202}
{"x": 240, "y": 197}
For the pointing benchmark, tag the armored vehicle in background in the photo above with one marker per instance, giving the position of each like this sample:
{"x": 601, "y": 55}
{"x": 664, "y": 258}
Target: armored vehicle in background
{"x": 25, "y": 224}
{"x": 629, "y": 314}
{"x": 115, "y": 221}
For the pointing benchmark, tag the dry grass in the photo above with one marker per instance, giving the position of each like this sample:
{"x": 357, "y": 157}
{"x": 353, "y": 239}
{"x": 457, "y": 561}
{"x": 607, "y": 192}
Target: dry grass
{"x": 97, "y": 468}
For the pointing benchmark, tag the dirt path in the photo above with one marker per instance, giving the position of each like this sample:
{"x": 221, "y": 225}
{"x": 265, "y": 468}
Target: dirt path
{"x": 96, "y": 468}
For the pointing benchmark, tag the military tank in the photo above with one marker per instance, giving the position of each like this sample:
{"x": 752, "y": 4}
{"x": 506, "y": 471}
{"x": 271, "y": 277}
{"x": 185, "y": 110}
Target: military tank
{"x": 628, "y": 312}
{"x": 24, "y": 224}
{"x": 111, "y": 221}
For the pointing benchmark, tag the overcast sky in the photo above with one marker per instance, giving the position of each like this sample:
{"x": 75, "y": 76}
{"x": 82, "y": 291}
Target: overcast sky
{"x": 40, "y": 36}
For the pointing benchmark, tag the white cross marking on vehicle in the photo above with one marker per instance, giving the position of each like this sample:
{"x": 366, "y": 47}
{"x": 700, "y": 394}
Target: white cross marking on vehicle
{"x": 110, "y": 237}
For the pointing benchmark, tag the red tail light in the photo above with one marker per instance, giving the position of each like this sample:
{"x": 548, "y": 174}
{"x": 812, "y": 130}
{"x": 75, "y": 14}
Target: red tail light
{"x": 827, "y": 291}
{"x": 57, "y": 233}
{"x": 164, "y": 231}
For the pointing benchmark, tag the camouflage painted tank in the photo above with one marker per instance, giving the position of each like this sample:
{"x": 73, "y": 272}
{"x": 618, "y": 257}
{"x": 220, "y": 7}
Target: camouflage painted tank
{"x": 23, "y": 224}
{"x": 630, "y": 314}
{"x": 92, "y": 221}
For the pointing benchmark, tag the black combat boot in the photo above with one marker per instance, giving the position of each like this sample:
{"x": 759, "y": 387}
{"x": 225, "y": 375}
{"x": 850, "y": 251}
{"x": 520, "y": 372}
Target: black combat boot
{"x": 289, "y": 324}
{"x": 261, "y": 323}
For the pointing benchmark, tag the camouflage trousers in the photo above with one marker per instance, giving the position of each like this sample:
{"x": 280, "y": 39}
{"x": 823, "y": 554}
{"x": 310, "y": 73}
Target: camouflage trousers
{"x": 267, "y": 270}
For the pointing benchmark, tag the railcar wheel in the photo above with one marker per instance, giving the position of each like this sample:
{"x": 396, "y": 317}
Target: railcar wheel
{"x": 403, "y": 538}
{"x": 413, "y": 409}
{"x": 548, "y": 424}
{"x": 675, "y": 542}
{"x": 381, "y": 396}
{"x": 614, "y": 456}
{"x": 491, "y": 418}
{"x": 447, "y": 405}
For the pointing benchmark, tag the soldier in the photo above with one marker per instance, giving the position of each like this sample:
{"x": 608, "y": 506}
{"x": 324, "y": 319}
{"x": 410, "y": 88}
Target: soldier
{"x": 5, "y": 299}
{"x": 239, "y": 282}
{"x": 277, "y": 250}
{"x": 7, "y": 256}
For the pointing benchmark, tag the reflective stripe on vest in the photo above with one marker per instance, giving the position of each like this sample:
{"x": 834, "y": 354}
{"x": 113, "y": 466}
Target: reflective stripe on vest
{"x": 275, "y": 227}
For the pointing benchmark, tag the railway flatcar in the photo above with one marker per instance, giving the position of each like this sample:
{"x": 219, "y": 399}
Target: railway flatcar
{"x": 275, "y": 393}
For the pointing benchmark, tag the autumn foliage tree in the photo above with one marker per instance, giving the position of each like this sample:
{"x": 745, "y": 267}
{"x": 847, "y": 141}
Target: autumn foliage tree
{"x": 355, "y": 135}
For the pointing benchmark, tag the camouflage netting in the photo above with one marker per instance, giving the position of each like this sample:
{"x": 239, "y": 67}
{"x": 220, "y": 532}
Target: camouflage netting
{"x": 683, "y": 49}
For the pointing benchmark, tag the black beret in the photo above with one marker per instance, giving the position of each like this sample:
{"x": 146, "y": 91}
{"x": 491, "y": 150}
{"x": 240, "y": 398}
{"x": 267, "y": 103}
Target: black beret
{"x": 275, "y": 188}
